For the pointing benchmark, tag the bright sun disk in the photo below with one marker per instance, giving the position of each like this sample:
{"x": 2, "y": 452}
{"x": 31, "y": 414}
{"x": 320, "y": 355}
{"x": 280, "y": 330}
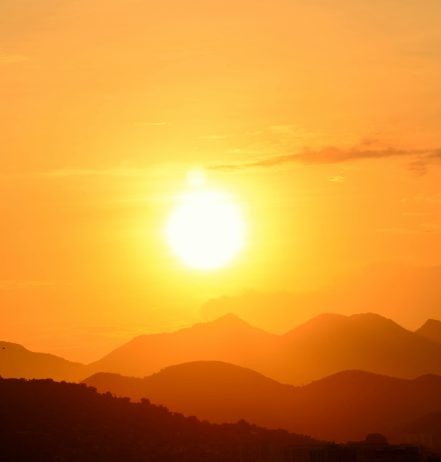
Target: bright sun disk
{"x": 206, "y": 230}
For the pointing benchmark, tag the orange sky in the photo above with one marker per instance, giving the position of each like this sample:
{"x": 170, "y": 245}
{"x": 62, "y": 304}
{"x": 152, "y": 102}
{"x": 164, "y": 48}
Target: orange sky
{"x": 106, "y": 105}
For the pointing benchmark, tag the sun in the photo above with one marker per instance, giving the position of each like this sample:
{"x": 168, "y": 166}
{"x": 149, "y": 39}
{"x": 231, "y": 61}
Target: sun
{"x": 206, "y": 230}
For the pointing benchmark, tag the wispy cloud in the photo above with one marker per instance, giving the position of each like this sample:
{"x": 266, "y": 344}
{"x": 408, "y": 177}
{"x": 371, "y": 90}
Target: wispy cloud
{"x": 213, "y": 137}
{"x": 425, "y": 228}
{"x": 337, "y": 179}
{"x": 289, "y": 130}
{"x": 85, "y": 172}
{"x": 13, "y": 58}
{"x": 14, "y": 284}
{"x": 334, "y": 155}
{"x": 420, "y": 164}
{"x": 150, "y": 124}
{"x": 282, "y": 129}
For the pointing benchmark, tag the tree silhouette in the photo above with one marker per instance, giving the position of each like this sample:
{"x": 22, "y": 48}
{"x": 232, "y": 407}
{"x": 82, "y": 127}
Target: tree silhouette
{"x": 43, "y": 420}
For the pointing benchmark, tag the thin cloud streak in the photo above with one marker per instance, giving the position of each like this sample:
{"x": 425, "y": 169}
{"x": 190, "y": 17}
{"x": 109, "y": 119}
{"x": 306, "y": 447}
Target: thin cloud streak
{"x": 13, "y": 58}
{"x": 115, "y": 172}
{"x": 14, "y": 284}
{"x": 334, "y": 155}
{"x": 151, "y": 124}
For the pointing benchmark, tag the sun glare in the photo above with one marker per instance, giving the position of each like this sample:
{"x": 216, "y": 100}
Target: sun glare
{"x": 206, "y": 230}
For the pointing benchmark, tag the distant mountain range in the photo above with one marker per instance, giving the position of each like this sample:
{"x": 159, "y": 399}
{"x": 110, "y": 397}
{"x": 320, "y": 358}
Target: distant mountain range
{"x": 332, "y": 343}
{"x": 17, "y": 361}
{"x": 226, "y": 339}
{"x": 325, "y": 345}
{"x": 226, "y": 370}
{"x": 402, "y": 291}
{"x": 431, "y": 330}
{"x": 344, "y": 406}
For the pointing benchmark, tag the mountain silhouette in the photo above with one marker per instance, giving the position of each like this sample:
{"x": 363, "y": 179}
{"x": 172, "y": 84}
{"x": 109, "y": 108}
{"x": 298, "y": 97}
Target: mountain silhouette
{"x": 431, "y": 330}
{"x": 17, "y": 361}
{"x": 400, "y": 291}
{"x": 344, "y": 406}
{"x": 216, "y": 391}
{"x": 331, "y": 343}
{"x": 325, "y": 345}
{"x": 226, "y": 339}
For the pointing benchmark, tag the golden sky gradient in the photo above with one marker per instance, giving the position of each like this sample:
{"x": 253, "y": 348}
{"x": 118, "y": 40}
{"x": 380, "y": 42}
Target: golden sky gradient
{"x": 322, "y": 118}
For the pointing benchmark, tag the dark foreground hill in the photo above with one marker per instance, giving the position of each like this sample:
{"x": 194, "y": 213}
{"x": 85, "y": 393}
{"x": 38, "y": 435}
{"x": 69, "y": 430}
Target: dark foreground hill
{"x": 42, "y": 420}
{"x": 424, "y": 431}
{"x": 17, "y": 361}
{"x": 342, "y": 407}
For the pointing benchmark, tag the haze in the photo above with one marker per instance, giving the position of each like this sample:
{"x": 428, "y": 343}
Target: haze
{"x": 321, "y": 118}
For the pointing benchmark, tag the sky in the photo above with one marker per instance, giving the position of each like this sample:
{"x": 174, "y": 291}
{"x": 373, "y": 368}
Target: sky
{"x": 321, "y": 118}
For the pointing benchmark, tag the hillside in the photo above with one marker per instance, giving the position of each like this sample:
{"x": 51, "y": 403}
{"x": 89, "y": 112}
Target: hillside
{"x": 227, "y": 339}
{"x": 431, "y": 330}
{"x": 42, "y": 420}
{"x": 344, "y": 406}
{"x": 323, "y": 346}
{"x": 17, "y": 361}
{"x": 332, "y": 343}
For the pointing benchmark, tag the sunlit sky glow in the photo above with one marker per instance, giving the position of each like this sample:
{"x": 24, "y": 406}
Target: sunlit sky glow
{"x": 316, "y": 121}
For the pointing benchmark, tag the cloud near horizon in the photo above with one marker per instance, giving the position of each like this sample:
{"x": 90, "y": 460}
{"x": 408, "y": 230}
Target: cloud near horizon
{"x": 7, "y": 284}
{"x": 13, "y": 58}
{"x": 335, "y": 155}
{"x": 91, "y": 172}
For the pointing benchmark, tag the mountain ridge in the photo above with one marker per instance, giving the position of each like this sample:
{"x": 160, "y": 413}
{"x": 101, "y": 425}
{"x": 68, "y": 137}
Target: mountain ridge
{"x": 431, "y": 330}
{"x": 344, "y": 406}
{"x": 17, "y": 361}
{"x": 326, "y": 344}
